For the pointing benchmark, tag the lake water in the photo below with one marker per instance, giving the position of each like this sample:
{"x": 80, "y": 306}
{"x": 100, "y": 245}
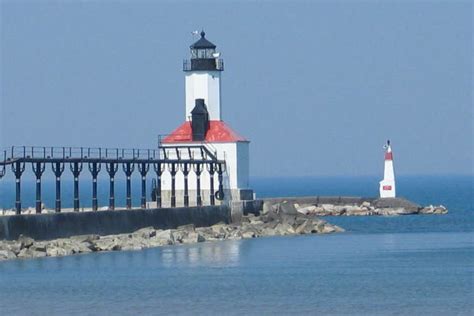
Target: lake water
{"x": 415, "y": 265}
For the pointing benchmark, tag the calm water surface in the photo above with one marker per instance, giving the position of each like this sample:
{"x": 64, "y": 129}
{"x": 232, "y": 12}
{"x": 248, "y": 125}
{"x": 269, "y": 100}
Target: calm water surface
{"x": 409, "y": 265}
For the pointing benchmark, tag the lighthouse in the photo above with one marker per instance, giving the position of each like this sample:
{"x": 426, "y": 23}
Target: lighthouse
{"x": 387, "y": 185}
{"x": 204, "y": 126}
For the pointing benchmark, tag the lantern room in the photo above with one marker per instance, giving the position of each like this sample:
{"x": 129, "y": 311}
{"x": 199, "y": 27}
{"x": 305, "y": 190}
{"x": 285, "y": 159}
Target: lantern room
{"x": 203, "y": 56}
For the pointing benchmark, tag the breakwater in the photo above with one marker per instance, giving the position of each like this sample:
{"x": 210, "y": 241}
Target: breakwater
{"x": 350, "y": 206}
{"x": 274, "y": 223}
{"x": 338, "y": 205}
{"x": 57, "y": 234}
{"x": 50, "y": 225}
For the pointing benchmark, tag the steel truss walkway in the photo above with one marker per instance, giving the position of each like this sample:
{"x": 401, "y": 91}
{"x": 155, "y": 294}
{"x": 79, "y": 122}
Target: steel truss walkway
{"x": 172, "y": 159}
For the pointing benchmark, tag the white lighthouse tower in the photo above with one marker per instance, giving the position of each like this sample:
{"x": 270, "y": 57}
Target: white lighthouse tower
{"x": 203, "y": 78}
{"x": 387, "y": 185}
{"x": 203, "y": 100}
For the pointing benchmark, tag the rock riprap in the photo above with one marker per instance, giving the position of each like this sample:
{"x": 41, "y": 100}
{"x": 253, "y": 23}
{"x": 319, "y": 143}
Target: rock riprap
{"x": 363, "y": 209}
{"x": 280, "y": 222}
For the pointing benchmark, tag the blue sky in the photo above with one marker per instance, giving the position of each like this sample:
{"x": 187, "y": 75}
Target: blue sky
{"x": 316, "y": 86}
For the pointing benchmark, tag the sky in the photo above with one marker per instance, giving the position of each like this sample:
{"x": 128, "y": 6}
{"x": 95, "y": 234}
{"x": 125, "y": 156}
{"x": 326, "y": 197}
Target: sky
{"x": 316, "y": 86}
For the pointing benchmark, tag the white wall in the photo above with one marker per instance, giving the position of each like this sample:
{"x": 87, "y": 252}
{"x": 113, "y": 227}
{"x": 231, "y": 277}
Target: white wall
{"x": 235, "y": 154}
{"x": 243, "y": 165}
{"x": 204, "y": 85}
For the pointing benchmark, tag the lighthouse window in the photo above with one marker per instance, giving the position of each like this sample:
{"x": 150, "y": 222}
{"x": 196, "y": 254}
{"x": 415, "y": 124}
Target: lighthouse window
{"x": 201, "y": 53}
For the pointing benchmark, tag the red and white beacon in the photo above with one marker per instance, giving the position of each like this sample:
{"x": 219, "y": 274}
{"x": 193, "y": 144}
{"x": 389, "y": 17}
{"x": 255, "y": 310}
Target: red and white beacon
{"x": 387, "y": 185}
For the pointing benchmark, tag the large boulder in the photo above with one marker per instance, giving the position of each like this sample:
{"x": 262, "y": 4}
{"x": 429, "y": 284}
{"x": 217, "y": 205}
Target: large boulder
{"x": 209, "y": 234}
{"x": 305, "y": 228}
{"x": 38, "y": 246}
{"x": 433, "y": 210}
{"x": 234, "y": 235}
{"x": 179, "y": 235}
{"x": 252, "y": 219}
{"x": 352, "y": 209}
{"x": 388, "y": 211}
{"x": 267, "y": 207}
{"x": 54, "y": 251}
{"x": 146, "y": 232}
{"x": 248, "y": 234}
{"x": 288, "y": 219}
{"x": 366, "y": 204}
{"x": 270, "y": 225}
{"x": 133, "y": 244}
{"x": 220, "y": 230}
{"x": 327, "y": 207}
{"x": 338, "y": 229}
{"x": 305, "y": 210}
{"x": 288, "y": 208}
{"x": 268, "y": 231}
{"x": 440, "y": 210}
{"x": 162, "y": 238}
{"x": 82, "y": 247}
{"x": 269, "y": 217}
{"x": 85, "y": 238}
{"x": 395, "y": 203}
{"x": 25, "y": 241}
{"x": 355, "y": 211}
{"x": 30, "y": 253}
{"x": 284, "y": 229}
{"x": 193, "y": 237}
{"x": 14, "y": 246}
{"x": 319, "y": 211}
{"x": 188, "y": 227}
{"x": 326, "y": 229}
{"x": 107, "y": 244}
{"x": 251, "y": 231}
{"x": 69, "y": 246}
{"x": 6, "y": 254}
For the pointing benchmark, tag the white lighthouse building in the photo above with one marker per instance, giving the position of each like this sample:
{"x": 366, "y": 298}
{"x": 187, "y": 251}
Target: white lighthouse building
{"x": 387, "y": 185}
{"x": 203, "y": 100}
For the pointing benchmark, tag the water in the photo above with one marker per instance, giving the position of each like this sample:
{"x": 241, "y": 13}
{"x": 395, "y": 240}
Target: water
{"x": 381, "y": 266}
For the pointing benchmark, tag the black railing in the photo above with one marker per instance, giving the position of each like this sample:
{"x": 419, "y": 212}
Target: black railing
{"x": 74, "y": 153}
{"x": 86, "y": 154}
{"x": 205, "y": 147}
{"x": 211, "y": 64}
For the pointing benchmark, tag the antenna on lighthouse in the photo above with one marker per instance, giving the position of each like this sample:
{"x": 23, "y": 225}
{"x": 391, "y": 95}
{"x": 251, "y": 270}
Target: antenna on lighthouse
{"x": 194, "y": 34}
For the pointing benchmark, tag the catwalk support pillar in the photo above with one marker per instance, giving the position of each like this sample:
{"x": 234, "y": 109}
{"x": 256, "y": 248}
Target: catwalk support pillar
{"x": 111, "y": 170}
{"x": 143, "y": 168}
{"x": 38, "y": 169}
{"x": 18, "y": 168}
{"x": 76, "y": 168}
{"x": 128, "y": 168}
{"x": 58, "y": 169}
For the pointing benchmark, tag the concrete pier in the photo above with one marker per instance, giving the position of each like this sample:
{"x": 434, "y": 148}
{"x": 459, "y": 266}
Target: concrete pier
{"x": 60, "y": 225}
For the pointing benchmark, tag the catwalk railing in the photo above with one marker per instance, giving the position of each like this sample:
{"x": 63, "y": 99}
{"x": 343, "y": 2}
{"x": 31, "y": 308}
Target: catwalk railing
{"x": 172, "y": 159}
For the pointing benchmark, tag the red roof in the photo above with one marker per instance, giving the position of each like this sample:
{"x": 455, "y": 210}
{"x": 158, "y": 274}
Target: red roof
{"x": 218, "y": 132}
